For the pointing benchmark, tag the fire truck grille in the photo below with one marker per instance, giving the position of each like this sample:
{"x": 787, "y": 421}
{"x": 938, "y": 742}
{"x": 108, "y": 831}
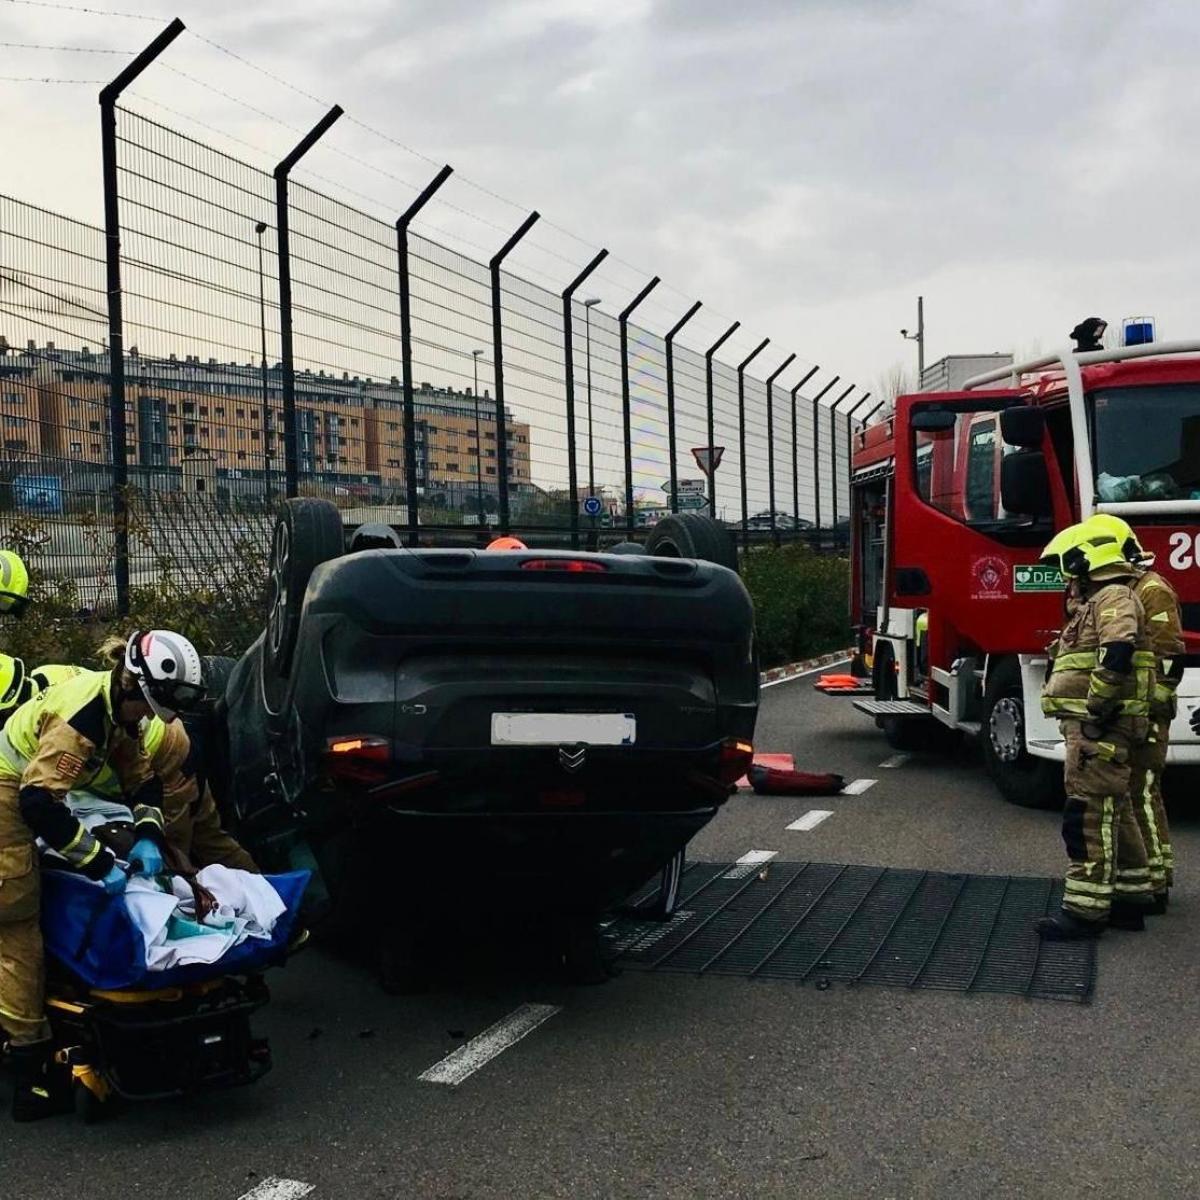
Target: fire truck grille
{"x": 823, "y": 923}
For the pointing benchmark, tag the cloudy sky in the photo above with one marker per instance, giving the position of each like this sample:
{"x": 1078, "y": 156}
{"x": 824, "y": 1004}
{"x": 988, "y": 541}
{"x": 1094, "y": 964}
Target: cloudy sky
{"x": 805, "y": 166}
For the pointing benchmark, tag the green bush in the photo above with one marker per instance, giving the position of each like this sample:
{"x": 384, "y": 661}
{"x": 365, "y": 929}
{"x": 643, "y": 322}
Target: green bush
{"x": 801, "y": 602}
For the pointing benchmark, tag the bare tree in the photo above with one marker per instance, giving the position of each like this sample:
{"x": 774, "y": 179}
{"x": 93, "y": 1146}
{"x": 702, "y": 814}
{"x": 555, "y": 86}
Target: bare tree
{"x": 897, "y": 380}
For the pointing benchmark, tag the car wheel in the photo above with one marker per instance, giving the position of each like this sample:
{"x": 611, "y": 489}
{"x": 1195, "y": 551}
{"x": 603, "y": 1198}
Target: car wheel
{"x": 307, "y": 533}
{"x": 1021, "y": 778}
{"x": 691, "y": 535}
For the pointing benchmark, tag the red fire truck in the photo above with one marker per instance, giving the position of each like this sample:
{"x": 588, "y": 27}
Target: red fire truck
{"x": 953, "y": 499}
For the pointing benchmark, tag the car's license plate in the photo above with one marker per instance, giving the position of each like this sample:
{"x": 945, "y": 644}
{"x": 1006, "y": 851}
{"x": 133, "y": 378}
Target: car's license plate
{"x": 563, "y": 729}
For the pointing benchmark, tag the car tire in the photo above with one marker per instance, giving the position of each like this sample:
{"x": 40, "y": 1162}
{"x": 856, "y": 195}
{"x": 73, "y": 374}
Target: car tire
{"x": 691, "y": 535}
{"x": 626, "y": 548}
{"x": 307, "y": 533}
{"x": 1021, "y": 778}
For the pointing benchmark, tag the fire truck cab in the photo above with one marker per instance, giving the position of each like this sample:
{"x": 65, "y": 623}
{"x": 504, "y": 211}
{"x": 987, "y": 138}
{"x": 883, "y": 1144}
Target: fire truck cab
{"x": 953, "y": 498}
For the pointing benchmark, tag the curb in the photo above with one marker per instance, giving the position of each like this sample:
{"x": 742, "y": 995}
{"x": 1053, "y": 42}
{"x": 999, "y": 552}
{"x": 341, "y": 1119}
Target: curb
{"x": 779, "y": 674}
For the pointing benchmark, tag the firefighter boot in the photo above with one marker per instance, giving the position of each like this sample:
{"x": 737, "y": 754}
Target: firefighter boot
{"x": 1128, "y": 916}
{"x": 42, "y": 1086}
{"x": 1066, "y": 927}
{"x": 1159, "y": 904}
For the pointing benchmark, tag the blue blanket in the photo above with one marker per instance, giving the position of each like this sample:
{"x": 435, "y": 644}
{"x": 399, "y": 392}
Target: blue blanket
{"x": 94, "y": 937}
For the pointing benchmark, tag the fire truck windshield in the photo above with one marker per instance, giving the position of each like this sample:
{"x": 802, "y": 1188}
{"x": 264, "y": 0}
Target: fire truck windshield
{"x": 1147, "y": 442}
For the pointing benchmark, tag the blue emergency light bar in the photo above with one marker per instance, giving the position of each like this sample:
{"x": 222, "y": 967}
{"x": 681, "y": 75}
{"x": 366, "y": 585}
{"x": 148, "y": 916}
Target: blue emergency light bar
{"x": 1137, "y": 331}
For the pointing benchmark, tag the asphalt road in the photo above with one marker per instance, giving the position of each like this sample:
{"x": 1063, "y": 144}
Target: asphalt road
{"x": 673, "y": 1086}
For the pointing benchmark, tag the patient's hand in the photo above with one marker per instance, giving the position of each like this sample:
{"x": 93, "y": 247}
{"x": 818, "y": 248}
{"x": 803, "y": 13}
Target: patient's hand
{"x": 206, "y": 902}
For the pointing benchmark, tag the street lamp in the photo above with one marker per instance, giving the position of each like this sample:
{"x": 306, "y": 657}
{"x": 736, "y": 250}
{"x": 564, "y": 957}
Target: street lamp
{"x": 475, "y": 355}
{"x": 260, "y": 228}
{"x": 919, "y": 338}
{"x": 588, "y": 305}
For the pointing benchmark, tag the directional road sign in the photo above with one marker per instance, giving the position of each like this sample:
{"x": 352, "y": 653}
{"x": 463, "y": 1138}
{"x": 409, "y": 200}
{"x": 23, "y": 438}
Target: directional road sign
{"x": 686, "y": 485}
{"x": 692, "y": 500}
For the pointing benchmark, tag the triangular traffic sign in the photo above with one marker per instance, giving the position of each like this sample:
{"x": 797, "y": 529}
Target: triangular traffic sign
{"x": 708, "y": 458}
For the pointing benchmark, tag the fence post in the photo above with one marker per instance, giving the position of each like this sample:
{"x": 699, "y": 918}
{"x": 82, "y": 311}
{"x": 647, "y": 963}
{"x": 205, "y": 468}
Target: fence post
{"x": 498, "y": 363}
{"x": 796, "y": 451}
{"x": 867, "y": 419}
{"x": 109, "y": 95}
{"x": 412, "y": 494}
{"x": 672, "y": 446}
{"x": 787, "y": 362}
{"x": 291, "y": 457}
{"x": 833, "y": 468}
{"x": 708, "y": 386}
{"x": 569, "y": 365}
{"x": 861, "y": 401}
{"x": 816, "y": 414}
{"x": 741, "y": 378}
{"x": 626, "y": 416}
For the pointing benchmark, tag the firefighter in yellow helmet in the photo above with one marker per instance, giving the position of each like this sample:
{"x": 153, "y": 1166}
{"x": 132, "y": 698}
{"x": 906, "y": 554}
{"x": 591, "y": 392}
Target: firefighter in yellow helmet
{"x": 18, "y": 685}
{"x": 14, "y": 584}
{"x": 1098, "y": 686}
{"x": 192, "y": 823}
{"x": 1164, "y": 626}
{"x": 51, "y": 745}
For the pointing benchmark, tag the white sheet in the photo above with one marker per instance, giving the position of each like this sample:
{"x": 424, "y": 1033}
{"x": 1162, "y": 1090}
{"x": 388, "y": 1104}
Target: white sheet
{"x": 248, "y": 908}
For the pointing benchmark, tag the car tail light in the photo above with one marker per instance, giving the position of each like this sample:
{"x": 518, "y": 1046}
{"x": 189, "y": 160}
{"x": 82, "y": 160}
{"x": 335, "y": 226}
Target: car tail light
{"x": 358, "y": 758}
{"x": 571, "y": 565}
{"x": 735, "y": 760}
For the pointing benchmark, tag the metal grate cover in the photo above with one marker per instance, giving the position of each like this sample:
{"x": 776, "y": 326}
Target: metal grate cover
{"x": 825, "y": 923}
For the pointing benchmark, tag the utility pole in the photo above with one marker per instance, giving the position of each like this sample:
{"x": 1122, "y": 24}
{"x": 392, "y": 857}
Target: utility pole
{"x": 919, "y": 338}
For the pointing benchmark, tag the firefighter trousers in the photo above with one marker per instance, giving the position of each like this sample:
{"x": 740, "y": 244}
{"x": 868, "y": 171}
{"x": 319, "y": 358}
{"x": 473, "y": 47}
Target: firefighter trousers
{"x": 1107, "y": 858}
{"x": 22, "y": 966}
{"x": 1145, "y": 793}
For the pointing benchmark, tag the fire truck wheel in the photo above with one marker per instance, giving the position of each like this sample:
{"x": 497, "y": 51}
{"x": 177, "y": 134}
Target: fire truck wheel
{"x": 1022, "y": 779}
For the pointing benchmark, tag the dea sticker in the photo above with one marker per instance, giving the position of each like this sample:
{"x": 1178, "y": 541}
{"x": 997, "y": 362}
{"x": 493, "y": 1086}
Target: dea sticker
{"x": 1037, "y": 577}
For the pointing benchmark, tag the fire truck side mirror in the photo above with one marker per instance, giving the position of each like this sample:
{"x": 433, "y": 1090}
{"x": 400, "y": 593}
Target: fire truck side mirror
{"x": 1025, "y": 484}
{"x": 1023, "y": 426}
{"x": 933, "y": 420}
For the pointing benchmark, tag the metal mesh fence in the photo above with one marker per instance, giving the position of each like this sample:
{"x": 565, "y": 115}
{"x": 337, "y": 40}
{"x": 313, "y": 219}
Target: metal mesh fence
{"x": 206, "y": 364}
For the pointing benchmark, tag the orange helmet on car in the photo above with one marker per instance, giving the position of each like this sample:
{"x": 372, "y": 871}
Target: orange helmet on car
{"x": 507, "y": 543}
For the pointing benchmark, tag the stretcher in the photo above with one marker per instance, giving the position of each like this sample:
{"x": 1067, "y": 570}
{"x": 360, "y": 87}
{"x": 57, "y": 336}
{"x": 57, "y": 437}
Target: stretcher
{"x": 844, "y": 685}
{"x": 122, "y": 1032}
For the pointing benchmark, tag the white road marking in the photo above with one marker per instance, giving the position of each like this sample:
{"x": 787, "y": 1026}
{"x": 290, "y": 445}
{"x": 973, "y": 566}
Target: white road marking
{"x": 746, "y": 864}
{"x": 802, "y": 674}
{"x": 856, "y": 787}
{"x": 481, "y": 1049}
{"x": 811, "y": 819}
{"x": 897, "y": 760}
{"x": 272, "y": 1188}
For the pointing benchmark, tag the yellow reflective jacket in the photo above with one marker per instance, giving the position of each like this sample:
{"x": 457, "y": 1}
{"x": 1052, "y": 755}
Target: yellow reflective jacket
{"x": 58, "y": 742}
{"x": 1077, "y": 685}
{"x": 1164, "y": 627}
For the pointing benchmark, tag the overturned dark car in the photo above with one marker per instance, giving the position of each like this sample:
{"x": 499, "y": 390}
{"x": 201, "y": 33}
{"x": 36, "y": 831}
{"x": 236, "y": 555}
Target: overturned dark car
{"x": 541, "y": 731}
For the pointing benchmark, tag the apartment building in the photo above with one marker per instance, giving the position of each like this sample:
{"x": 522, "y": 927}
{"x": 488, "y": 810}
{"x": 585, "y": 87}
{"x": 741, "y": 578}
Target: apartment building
{"x": 54, "y": 411}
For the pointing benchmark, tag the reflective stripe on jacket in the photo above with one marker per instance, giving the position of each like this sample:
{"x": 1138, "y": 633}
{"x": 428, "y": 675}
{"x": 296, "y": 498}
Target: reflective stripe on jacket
{"x": 1078, "y": 685}
{"x": 1164, "y": 628}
